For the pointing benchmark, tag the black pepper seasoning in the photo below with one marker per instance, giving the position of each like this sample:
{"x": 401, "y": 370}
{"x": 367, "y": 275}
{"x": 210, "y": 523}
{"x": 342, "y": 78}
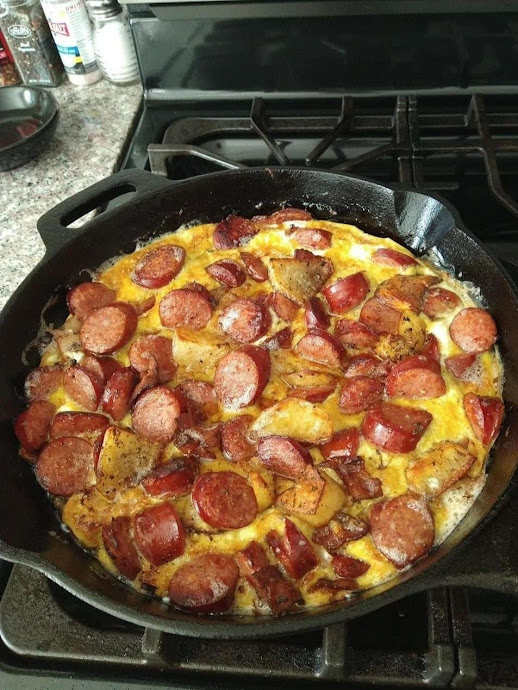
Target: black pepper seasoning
{"x": 28, "y": 36}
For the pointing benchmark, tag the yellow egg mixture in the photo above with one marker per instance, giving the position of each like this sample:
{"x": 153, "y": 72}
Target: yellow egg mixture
{"x": 197, "y": 353}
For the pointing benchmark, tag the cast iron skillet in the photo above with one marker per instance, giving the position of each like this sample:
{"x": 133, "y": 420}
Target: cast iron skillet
{"x": 30, "y": 532}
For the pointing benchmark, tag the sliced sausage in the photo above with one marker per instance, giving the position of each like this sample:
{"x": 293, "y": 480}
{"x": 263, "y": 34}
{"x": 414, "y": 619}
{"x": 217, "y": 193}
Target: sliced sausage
{"x": 338, "y": 585}
{"x": 391, "y": 257}
{"x": 78, "y": 423}
{"x": 314, "y": 394}
{"x": 344, "y": 444}
{"x": 439, "y": 302}
{"x": 473, "y": 330}
{"x": 402, "y": 529}
{"x": 102, "y": 367}
{"x": 315, "y": 314}
{"x": 281, "y": 339}
{"x": 358, "y": 393}
{"x": 109, "y": 328}
{"x": 186, "y": 308}
{"x": 380, "y": 317}
{"x": 368, "y": 365}
{"x": 284, "y": 307}
{"x": 227, "y": 272}
{"x": 155, "y": 414}
{"x": 431, "y": 348}
{"x": 83, "y": 387}
{"x": 485, "y": 414}
{"x": 116, "y": 400}
{"x": 118, "y": 542}
{"x": 395, "y": 428}
{"x": 293, "y": 550}
{"x": 32, "y": 426}
{"x": 42, "y": 382}
{"x": 340, "y": 530}
{"x": 145, "y": 305}
{"x": 405, "y": 292}
{"x": 234, "y": 231}
{"x": 241, "y": 376}
{"x": 346, "y": 293}
{"x": 224, "y": 500}
{"x": 459, "y": 365}
{"x": 355, "y": 334}
{"x": 202, "y": 394}
{"x": 321, "y": 347}
{"x": 251, "y": 558}
{"x": 359, "y": 484}
{"x": 159, "y": 266}
{"x": 159, "y": 533}
{"x": 284, "y": 456}
{"x": 346, "y": 566}
{"x": 234, "y": 442}
{"x": 284, "y": 215}
{"x": 147, "y": 379}
{"x": 172, "y": 480}
{"x": 160, "y": 348}
{"x": 86, "y": 298}
{"x": 416, "y": 377}
{"x": 64, "y": 465}
{"x": 312, "y": 238}
{"x": 205, "y": 584}
{"x": 254, "y": 267}
{"x": 245, "y": 320}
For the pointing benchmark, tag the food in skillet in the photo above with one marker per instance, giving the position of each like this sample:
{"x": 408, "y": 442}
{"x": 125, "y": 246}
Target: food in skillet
{"x": 262, "y": 415}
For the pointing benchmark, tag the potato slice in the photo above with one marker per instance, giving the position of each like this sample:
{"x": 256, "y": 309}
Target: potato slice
{"x": 198, "y": 352}
{"x": 439, "y": 468}
{"x": 298, "y": 419}
{"x": 411, "y": 337}
{"x": 405, "y": 292}
{"x": 124, "y": 459}
{"x": 300, "y": 277}
{"x": 312, "y": 500}
{"x": 263, "y": 484}
{"x": 83, "y": 513}
{"x": 308, "y": 378}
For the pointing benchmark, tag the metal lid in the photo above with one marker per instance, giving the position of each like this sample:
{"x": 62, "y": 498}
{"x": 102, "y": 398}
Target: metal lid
{"x": 103, "y": 8}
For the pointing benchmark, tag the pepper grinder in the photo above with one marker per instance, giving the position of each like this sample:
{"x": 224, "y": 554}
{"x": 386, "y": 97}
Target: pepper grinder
{"x": 113, "y": 44}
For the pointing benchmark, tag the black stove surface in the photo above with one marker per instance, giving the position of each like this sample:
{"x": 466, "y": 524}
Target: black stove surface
{"x": 463, "y": 147}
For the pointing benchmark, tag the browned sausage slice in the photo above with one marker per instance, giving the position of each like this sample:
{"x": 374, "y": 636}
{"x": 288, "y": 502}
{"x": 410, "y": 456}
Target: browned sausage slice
{"x": 284, "y": 456}
{"x": 439, "y": 302}
{"x": 77, "y": 424}
{"x": 284, "y": 307}
{"x": 234, "y": 442}
{"x": 281, "y": 339}
{"x": 314, "y": 394}
{"x": 346, "y": 566}
{"x": 380, "y": 317}
{"x": 315, "y": 314}
{"x": 358, "y": 393}
{"x": 172, "y": 480}
{"x": 159, "y": 533}
{"x": 245, "y": 320}
{"x": 155, "y": 414}
{"x": 346, "y": 293}
{"x": 205, "y": 584}
{"x": 85, "y": 298}
{"x": 284, "y": 215}
{"x": 341, "y": 529}
{"x": 254, "y": 267}
{"x": 241, "y": 376}
{"x": 473, "y": 330}
{"x": 102, "y": 367}
{"x": 33, "y": 424}
{"x": 160, "y": 348}
{"x": 464, "y": 367}
{"x": 227, "y": 272}
{"x": 312, "y": 238}
{"x": 109, "y": 328}
{"x": 64, "y": 465}
{"x": 405, "y": 292}
{"x": 42, "y": 382}
{"x": 355, "y": 334}
{"x": 293, "y": 550}
{"x": 391, "y": 257}
{"x": 402, "y": 529}
{"x": 185, "y": 308}
{"x": 224, "y": 500}
{"x": 116, "y": 400}
{"x": 321, "y": 347}
{"x": 201, "y": 393}
{"x": 118, "y": 542}
{"x": 83, "y": 387}
{"x": 416, "y": 377}
{"x": 234, "y": 231}
{"x": 357, "y": 481}
{"x": 395, "y": 428}
{"x": 485, "y": 415}
{"x": 368, "y": 365}
{"x": 159, "y": 267}
{"x": 344, "y": 444}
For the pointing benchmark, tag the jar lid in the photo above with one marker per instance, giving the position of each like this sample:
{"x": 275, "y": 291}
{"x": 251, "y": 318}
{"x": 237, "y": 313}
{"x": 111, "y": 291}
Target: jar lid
{"x": 102, "y": 8}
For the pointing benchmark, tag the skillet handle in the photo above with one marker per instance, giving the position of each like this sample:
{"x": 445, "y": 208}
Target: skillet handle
{"x": 53, "y": 225}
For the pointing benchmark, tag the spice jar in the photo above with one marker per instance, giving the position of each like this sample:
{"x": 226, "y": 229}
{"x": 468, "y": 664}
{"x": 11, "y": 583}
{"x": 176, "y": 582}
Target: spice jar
{"x": 8, "y": 74}
{"x": 113, "y": 44}
{"x": 28, "y": 36}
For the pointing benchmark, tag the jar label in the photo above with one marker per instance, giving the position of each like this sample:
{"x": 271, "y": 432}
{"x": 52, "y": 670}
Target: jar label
{"x": 18, "y": 31}
{"x": 72, "y": 35}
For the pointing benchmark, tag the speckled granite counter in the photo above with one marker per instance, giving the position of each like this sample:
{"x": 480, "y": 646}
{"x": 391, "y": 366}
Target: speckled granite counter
{"x": 94, "y": 125}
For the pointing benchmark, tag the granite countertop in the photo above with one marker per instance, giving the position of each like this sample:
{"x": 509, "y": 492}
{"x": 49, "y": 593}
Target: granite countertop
{"x": 95, "y": 122}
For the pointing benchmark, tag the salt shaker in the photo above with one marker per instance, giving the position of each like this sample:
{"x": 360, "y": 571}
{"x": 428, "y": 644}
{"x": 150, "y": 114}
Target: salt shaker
{"x": 113, "y": 45}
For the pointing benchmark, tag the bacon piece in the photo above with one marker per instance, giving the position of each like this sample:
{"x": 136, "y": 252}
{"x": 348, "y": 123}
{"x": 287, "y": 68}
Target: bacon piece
{"x": 340, "y": 530}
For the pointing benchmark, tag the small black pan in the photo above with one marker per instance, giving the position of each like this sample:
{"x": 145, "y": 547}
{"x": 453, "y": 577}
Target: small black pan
{"x": 483, "y": 549}
{"x": 28, "y": 120}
